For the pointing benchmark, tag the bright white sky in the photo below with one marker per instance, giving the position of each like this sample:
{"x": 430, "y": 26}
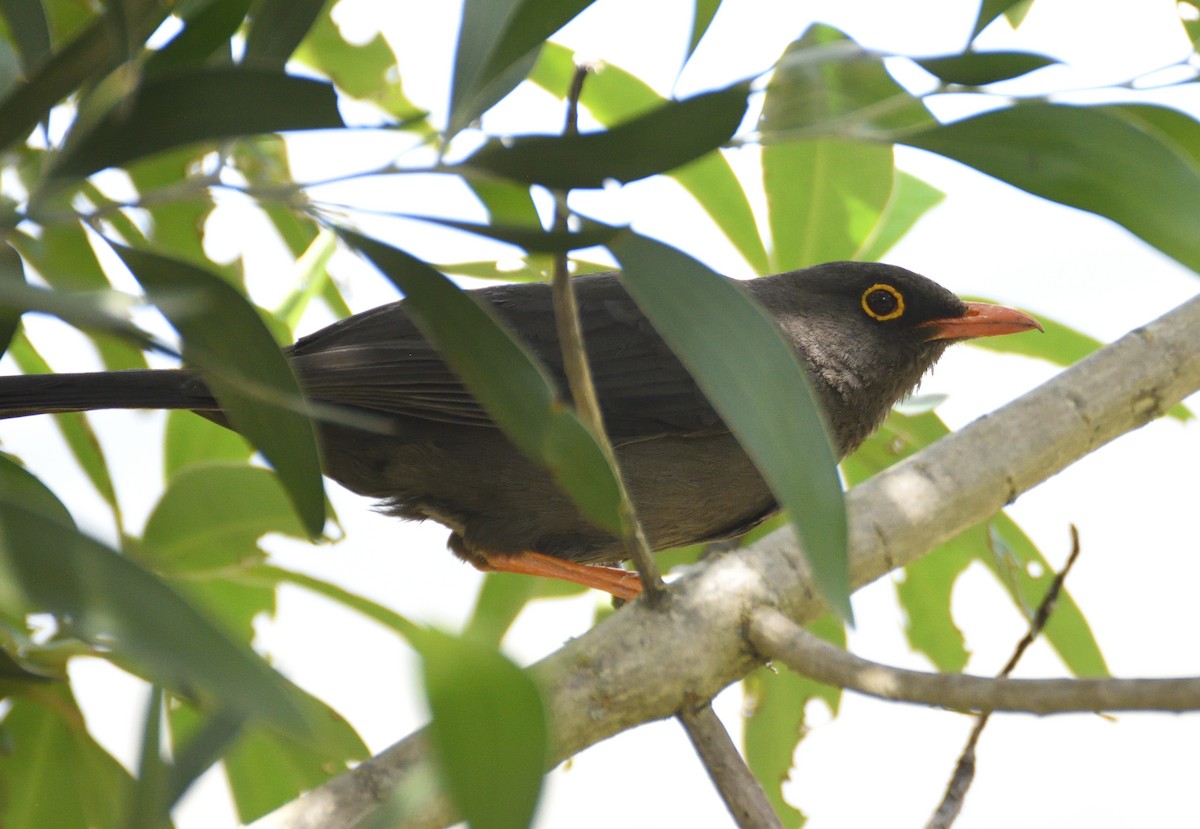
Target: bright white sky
{"x": 878, "y": 764}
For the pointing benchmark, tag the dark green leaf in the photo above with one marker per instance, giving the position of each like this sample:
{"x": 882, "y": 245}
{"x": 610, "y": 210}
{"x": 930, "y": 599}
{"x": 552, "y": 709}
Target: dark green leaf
{"x": 212, "y": 27}
{"x": 212, "y": 516}
{"x": 534, "y": 240}
{"x": 1084, "y": 157}
{"x": 201, "y": 750}
{"x": 910, "y": 199}
{"x": 982, "y": 68}
{"x": 55, "y": 774}
{"x": 194, "y": 106}
{"x": 276, "y": 29}
{"x": 782, "y": 426}
{"x": 660, "y": 140}
{"x": 91, "y": 55}
{"x": 827, "y": 86}
{"x": 703, "y": 12}
{"x": 12, "y": 272}
{"x": 506, "y": 379}
{"x": 775, "y": 721}
{"x": 49, "y": 567}
{"x": 824, "y": 198}
{"x": 479, "y": 699}
{"x": 224, "y": 337}
{"x": 497, "y": 44}
{"x": 30, "y": 31}
{"x": 613, "y": 95}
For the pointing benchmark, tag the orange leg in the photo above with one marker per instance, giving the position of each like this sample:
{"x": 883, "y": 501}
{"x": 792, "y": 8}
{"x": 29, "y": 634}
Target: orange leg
{"x": 624, "y": 584}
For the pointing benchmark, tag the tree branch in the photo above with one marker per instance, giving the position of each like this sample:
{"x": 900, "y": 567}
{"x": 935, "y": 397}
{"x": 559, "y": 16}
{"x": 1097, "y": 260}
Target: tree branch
{"x": 738, "y": 786}
{"x": 782, "y": 639}
{"x": 641, "y": 665}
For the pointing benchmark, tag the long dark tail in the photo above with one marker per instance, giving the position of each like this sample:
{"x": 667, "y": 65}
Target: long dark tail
{"x": 31, "y": 394}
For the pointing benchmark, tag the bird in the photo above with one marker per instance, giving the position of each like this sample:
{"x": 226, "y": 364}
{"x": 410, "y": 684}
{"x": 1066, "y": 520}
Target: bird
{"x": 865, "y": 332}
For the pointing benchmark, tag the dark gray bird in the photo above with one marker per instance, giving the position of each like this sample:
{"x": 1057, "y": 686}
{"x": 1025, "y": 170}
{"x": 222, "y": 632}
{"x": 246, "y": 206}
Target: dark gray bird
{"x": 866, "y": 332}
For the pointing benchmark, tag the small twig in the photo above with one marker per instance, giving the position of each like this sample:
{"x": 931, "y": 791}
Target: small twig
{"x": 964, "y": 771}
{"x": 737, "y": 786}
{"x": 579, "y": 375}
{"x": 777, "y": 637}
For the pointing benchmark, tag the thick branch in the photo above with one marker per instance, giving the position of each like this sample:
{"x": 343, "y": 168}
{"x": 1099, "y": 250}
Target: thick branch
{"x": 643, "y": 664}
{"x": 780, "y": 638}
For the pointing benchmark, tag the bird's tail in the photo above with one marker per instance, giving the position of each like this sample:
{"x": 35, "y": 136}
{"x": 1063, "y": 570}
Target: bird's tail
{"x": 31, "y": 394}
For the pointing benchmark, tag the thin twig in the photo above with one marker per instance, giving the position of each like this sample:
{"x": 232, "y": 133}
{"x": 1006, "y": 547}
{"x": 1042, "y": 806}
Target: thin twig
{"x": 964, "y": 771}
{"x": 579, "y": 375}
{"x": 736, "y": 784}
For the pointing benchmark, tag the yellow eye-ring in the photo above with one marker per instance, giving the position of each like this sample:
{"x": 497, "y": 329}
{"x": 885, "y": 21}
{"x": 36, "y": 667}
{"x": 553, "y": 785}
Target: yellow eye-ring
{"x": 882, "y": 302}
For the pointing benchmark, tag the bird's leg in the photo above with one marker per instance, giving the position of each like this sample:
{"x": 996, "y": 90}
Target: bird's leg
{"x": 624, "y": 584}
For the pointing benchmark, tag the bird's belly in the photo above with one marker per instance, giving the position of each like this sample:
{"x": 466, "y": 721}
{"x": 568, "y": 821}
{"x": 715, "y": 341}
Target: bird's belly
{"x": 687, "y": 489}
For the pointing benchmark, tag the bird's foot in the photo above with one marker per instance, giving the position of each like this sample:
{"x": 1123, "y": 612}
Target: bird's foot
{"x": 624, "y": 584}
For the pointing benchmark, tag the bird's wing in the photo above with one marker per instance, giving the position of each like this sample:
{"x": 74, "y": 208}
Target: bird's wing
{"x": 378, "y": 360}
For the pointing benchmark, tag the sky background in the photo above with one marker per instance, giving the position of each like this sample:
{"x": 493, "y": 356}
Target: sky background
{"x": 878, "y": 764}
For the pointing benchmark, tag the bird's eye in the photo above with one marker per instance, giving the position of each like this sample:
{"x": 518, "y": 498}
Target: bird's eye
{"x": 882, "y": 302}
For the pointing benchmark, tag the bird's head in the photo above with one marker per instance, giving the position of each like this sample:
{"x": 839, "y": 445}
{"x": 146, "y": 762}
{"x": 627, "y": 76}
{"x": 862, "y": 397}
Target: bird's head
{"x": 869, "y": 332}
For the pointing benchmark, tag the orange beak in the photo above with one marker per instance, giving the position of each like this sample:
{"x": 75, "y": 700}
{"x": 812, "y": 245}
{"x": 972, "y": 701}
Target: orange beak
{"x": 981, "y": 320}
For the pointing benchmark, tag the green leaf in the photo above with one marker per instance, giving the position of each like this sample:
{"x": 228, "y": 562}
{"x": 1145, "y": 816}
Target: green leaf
{"x": 703, "y": 12}
{"x": 193, "y": 106}
{"x": 54, "y": 773}
{"x": 774, "y": 724}
{"x": 212, "y": 516}
{"x": 243, "y": 367}
{"x": 501, "y": 599}
{"x": 910, "y": 199}
{"x": 497, "y": 44}
{"x": 276, "y": 29}
{"x": 782, "y": 433}
{"x": 827, "y": 86}
{"x": 660, "y": 140}
{"x": 613, "y": 95}
{"x": 824, "y": 199}
{"x": 107, "y": 600}
{"x": 1085, "y": 157}
{"x": 366, "y": 71}
{"x": 266, "y": 769}
{"x": 191, "y": 439}
{"x": 488, "y": 731}
{"x": 505, "y": 377}
{"x": 989, "y": 10}
{"x": 983, "y": 68}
